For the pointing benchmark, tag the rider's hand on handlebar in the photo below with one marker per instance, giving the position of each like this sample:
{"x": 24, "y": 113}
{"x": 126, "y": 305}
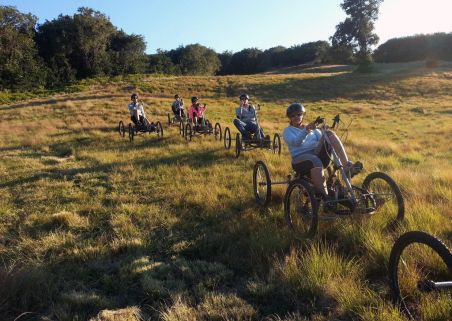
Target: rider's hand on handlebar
{"x": 310, "y": 126}
{"x": 319, "y": 120}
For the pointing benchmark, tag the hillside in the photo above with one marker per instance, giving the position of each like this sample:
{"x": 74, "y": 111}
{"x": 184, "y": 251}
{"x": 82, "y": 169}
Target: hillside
{"x": 93, "y": 226}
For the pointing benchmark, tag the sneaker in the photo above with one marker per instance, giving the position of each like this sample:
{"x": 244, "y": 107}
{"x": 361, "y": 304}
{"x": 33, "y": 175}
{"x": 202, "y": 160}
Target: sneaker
{"x": 354, "y": 168}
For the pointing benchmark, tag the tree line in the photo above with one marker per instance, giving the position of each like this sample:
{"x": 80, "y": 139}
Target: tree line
{"x": 87, "y": 44}
{"x": 65, "y": 49}
{"x": 437, "y": 46}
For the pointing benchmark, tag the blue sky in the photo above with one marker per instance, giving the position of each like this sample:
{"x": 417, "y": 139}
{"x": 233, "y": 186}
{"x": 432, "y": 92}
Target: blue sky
{"x": 234, "y": 25}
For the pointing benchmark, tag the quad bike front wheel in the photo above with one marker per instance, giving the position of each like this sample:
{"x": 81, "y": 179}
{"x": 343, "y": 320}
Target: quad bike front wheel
{"x": 386, "y": 195}
{"x": 159, "y": 129}
{"x": 227, "y": 138}
{"x": 276, "y": 147}
{"x": 301, "y": 208}
{"x": 188, "y": 132}
{"x": 262, "y": 186}
{"x": 121, "y": 128}
{"x": 238, "y": 145}
{"x": 217, "y": 132}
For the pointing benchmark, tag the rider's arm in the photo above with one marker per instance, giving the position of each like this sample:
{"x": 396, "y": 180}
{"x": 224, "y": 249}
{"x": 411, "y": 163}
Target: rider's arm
{"x": 254, "y": 113}
{"x": 238, "y": 113}
{"x": 142, "y": 111}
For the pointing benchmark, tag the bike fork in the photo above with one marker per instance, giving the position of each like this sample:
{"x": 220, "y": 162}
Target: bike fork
{"x": 338, "y": 163}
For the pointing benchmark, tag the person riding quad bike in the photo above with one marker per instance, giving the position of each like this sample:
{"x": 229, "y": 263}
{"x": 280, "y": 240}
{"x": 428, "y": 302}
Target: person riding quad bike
{"x": 137, "y": 114}
{"x": 308, "y": 151}
{"x": 196, "y": 112}
{"x": 246, "y": 120}
{"x": 178, "y": 107}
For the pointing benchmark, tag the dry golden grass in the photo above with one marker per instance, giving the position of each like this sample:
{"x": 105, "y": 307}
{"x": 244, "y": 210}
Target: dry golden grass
{"x": 95, "y": 227}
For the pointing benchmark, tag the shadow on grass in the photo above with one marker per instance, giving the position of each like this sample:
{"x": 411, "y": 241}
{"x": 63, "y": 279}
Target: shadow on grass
{"x": 54, "y": 101}
{"x": 207, "y": 250}
{"x": 194, "y": 158}
{"x": 341, "y": 85}
{"x": 309, "y": 68}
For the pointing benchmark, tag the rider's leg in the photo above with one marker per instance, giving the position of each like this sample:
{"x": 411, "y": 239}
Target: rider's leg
{"x": 338, "y": 147}
{"x": 319, "y": 181}
{"x": 134, "y": 119}
{"x": 253, "y": 128}
{"x": 261, "y": 132}
{"x": 240, "y": 125}
{"x": 308, "y": 163}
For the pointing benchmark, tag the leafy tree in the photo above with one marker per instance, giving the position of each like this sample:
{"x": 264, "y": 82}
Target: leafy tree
{"x": 20, "y": 66}
{"x": 127, "y": 53}
{"x": 161, "y": 63}
{"x": 342, "y": 54}
{"x": 87, "y": 45}
{"x": 311, "y": 52}
{"x": 225, "y": 59}
{"x": 199, "y": 60}
{"x": 272, "y": 58}
{"x": 56, "y": 44}
{"x": 93, "y": 31}
{"x": 418, "y": 47}
{"x": 195, "y": 59}
{"x": 76, "y": 45}
{"x": 356, "y": 32}
{"x": 246, "y": 61}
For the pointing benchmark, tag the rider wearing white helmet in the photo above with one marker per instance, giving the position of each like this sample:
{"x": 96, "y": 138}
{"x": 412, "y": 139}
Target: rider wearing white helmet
{"x": 137, "y": 114}
{"x": 308, "y": 151}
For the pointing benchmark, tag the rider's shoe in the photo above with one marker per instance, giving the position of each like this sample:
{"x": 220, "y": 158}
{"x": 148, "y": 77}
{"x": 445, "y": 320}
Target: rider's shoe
{"x": 354, "y": 168}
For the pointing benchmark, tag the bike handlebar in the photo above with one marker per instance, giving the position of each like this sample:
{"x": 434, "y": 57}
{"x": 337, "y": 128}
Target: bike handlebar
{"x": 321, "y": 120}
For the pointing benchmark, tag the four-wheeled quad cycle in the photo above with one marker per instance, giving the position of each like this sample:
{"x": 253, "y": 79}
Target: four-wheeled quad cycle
{"x": 203, "y": 127}
{"x": 141, "y": 128}
{"x": 242, "y": 144}
{"x": 253, "y": 142}
{"x": 378, "y": 193}
{"x": 177, "y": 119}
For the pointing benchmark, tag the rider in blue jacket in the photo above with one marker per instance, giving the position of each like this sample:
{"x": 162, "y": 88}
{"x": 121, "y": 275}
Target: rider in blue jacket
{"x": 246, "y": 121}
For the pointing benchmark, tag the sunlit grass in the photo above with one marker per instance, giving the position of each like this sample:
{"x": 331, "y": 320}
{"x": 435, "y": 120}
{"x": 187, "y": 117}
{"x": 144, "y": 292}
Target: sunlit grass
{"x": 93, "y": 226}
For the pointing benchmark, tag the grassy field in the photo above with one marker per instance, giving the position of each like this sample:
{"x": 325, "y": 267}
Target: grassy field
{"x": 93, "y": 226}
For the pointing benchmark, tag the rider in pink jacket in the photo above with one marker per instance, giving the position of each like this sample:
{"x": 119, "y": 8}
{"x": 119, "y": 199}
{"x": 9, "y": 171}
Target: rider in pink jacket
{"x": 196, "y": 111}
